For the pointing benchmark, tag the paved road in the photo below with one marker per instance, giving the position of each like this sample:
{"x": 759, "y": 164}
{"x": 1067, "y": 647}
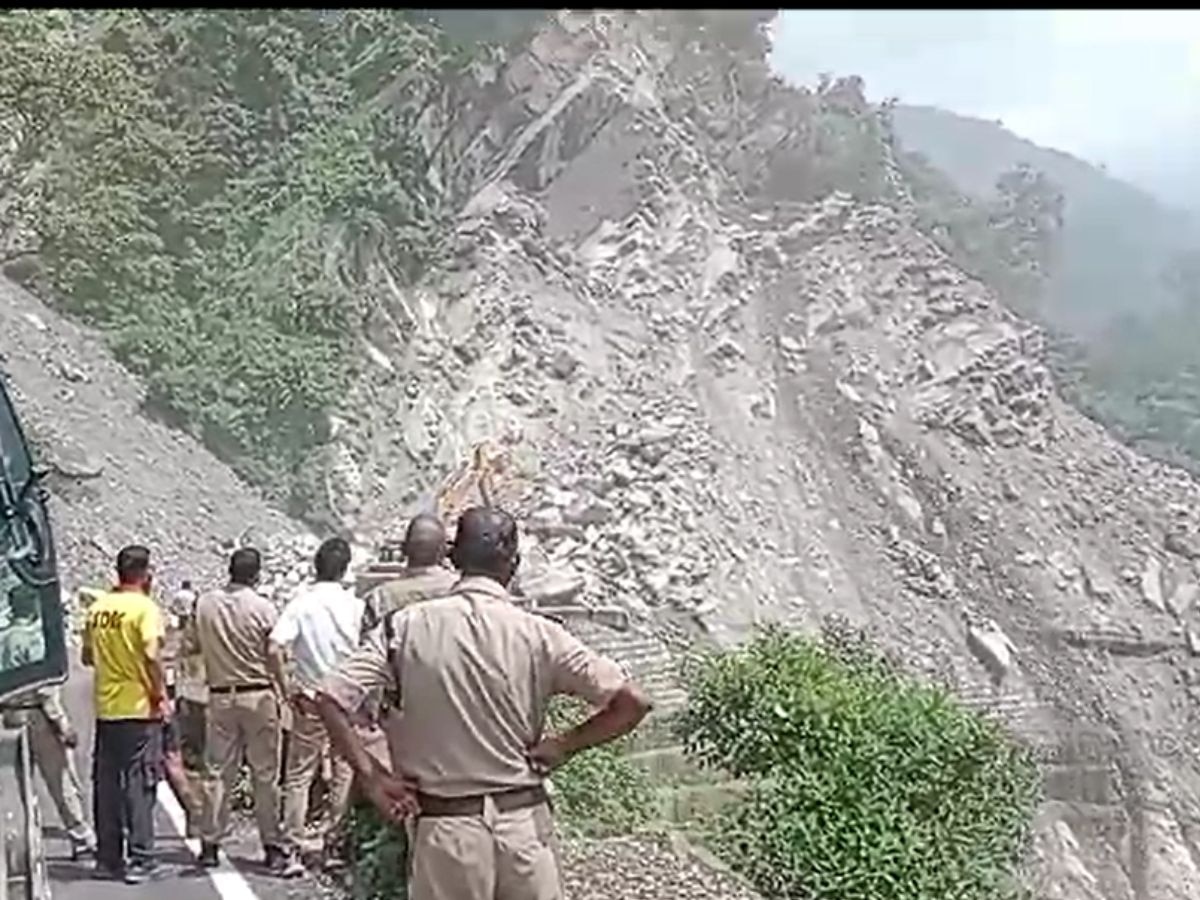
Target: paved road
{"x": 74, "y": 881}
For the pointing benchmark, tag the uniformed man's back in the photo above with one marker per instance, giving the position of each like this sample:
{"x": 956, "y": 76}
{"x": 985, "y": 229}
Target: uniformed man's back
{"x": 424, "y": 577}
{"x": 481, "y": 672}
{"x": 414, "y": 585}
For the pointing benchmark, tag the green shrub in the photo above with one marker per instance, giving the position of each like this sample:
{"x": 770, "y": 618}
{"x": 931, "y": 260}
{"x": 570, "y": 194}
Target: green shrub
{"x": 865, "y": 783}
{"x": 598, "y": 793}
{"x": 378, "y": 855}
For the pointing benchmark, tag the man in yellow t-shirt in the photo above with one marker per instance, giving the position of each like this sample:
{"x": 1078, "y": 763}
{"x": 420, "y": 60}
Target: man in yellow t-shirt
{"x": 122, "y": 639}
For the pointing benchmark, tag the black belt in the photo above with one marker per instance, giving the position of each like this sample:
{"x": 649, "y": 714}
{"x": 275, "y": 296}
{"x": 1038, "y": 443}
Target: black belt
{"x": 239, "y": 688}
{"x": 472, "y": 804}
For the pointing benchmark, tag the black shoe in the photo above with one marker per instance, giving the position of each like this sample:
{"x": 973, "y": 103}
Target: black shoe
{"x": 276, "y": 860}
{"x": 81, "y": 852}
{"x": 139, "y": 872}
{"x": 209, "y": 855}
{"x": 108, "y": 873}
{"x": 293, "y": 866}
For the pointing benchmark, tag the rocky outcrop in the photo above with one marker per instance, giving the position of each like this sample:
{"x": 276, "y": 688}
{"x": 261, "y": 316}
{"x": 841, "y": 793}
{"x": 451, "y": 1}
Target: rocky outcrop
{"x": 723, "y": 409}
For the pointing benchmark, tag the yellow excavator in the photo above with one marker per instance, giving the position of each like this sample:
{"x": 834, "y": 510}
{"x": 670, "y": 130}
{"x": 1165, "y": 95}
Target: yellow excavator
{"x": 488, "y": 473}
{"x": 33, "y": 651}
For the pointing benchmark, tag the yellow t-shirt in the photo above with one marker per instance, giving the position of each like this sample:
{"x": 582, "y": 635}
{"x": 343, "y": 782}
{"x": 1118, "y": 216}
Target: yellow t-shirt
{"x": 120, "y": 625}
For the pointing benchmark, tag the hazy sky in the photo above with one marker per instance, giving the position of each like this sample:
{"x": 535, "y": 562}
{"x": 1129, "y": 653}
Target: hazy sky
{"x": 1114, "y": 86}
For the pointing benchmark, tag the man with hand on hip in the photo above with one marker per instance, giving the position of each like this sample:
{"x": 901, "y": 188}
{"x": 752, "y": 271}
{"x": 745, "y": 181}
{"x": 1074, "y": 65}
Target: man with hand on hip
{"x": 472, "y": 675}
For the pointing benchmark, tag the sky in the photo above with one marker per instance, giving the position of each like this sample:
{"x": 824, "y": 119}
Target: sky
{"x": 1118, "y": 87}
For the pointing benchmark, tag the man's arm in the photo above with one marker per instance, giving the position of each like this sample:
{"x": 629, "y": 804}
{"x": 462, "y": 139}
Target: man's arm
{"x": 581, "y": 672}
{"x": 85, "y": 652}
{"x": 280, "y": 637}
{"x": 277, "y": 666}
{"x": 343, "y": 693}
{"x": 152, "y": 641}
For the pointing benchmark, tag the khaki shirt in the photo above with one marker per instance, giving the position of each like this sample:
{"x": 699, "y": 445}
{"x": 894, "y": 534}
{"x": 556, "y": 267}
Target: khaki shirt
{"x": 474, "y": 674}
{"x": 414, "y": 584}
{"x": 232, "y": 625}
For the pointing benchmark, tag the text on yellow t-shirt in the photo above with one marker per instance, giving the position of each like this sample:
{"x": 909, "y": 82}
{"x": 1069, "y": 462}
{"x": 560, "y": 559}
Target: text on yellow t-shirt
{"x": 121, "y": 625}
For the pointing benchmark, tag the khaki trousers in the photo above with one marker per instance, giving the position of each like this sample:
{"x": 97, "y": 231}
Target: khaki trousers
{"x": 241, "y": 723}
{"x": 495, "y": 856}
{"x": 308, "y": 745}
{"x": 57, "y": 765}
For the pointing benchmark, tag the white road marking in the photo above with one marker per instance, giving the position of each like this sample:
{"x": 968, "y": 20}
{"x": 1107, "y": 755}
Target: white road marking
{"x": 226, "y": 880}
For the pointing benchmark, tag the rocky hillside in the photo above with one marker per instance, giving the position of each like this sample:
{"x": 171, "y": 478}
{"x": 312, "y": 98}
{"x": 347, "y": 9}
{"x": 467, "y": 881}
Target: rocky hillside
{"x": 117, "y": 477}
{"x": 725, "y": 399}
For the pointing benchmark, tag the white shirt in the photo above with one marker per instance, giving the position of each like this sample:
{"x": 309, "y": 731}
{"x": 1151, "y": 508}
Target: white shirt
{"x": 320, "y": 625}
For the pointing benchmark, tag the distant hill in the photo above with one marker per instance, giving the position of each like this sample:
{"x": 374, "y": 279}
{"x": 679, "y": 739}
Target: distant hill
{"x": 1116, "y": 243}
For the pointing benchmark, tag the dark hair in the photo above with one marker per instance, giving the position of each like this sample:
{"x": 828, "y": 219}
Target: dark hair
{"x": 133, "y": 564}
{"x": 486, "y": 543}
{"x": 332, "y": 560}
{"x": 245, "y": 564}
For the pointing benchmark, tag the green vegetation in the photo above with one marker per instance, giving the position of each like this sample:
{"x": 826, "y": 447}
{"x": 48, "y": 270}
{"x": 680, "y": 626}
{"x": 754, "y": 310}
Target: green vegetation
{"x": 226, "y": 193}
{"x": 864, "y": 783}
{"x": 1008, "y": 241}
{"x": 1142, "y": 378}
{"x": 378, "y": 855}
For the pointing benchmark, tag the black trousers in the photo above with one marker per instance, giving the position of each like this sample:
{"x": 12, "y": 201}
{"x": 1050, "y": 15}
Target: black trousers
{"x": 126, "y": 765}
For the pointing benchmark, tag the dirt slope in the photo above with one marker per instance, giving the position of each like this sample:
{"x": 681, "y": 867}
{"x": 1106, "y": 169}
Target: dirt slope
{"x": 117, "y": 476}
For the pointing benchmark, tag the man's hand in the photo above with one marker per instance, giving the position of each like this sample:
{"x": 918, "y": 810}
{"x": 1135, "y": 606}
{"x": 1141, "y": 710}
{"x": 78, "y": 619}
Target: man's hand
{"x": 547, "y": 755}
{"x": 304, "y": 704}
{"x": 162, "y": 707}
{"x": 70, "y": 737}
{"x": 395, "y": 798}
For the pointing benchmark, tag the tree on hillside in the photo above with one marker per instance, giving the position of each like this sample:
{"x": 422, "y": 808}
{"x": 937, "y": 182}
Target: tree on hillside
{"x": 226, "y": 192}
{"x": 1030, "y": 209}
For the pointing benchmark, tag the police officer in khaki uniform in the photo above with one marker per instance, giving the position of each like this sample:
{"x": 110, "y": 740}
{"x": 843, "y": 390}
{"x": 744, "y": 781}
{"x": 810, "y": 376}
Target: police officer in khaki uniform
{"x": 232, "y": 627}
{"x": 52, "y": 741}
{"x": 472, "y": 675}
{"x": 424, "y": 576}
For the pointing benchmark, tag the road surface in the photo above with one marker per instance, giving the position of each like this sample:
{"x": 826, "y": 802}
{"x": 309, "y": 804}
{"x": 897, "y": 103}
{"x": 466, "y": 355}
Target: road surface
{"x": 240, "y": 880}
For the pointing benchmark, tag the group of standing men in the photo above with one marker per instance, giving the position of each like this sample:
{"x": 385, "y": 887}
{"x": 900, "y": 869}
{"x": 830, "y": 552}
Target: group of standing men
{"x": 449, "y": 668}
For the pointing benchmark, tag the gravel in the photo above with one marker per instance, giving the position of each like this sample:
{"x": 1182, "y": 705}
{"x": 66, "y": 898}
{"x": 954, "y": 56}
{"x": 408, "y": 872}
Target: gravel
{"x": 644, "y": 868}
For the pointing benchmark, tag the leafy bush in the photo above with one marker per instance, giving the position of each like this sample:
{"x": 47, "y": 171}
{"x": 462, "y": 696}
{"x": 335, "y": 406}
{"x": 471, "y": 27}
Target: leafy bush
{"x": 865, "y": 784}
{"x": 378, "y": 855}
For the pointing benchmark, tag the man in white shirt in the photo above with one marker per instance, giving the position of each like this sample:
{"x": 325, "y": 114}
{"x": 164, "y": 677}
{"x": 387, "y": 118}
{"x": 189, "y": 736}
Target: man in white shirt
{"x": 320, "y": 626}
